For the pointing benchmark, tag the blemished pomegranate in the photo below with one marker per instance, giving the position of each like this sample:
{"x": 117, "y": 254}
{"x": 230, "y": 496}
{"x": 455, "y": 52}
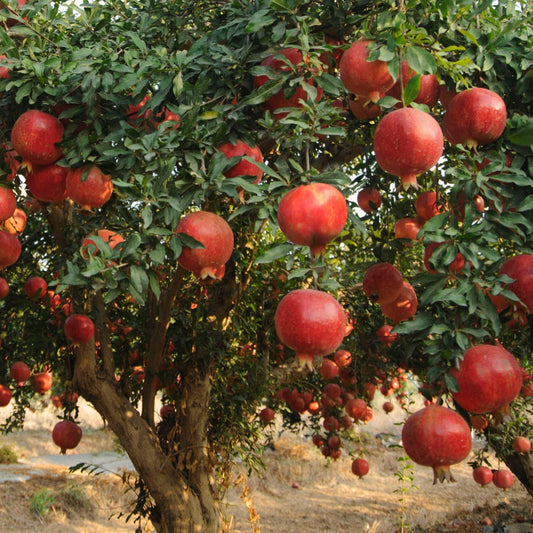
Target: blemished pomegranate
{"x": 438, "y": 437}
{"x": 88, "y": 186}
{"x": 473, "y": 117}
{"x": 5, "y": 395}
{"x": 10, "y": 248}
{"x": 382, "y": 283}
{"x": 310, "y": 322}
{"x": 4, "y": 288}
{"x": 404, "y": 306}
{"x": 408, "y": 142}
{"x": 35, "y": 137}
{"x": 8, "y": 203}
{"x": 67, "y": 435}
{"x": 369, "y": 199}
{"x": 312, "y": 215}
{"x": 520, "y": 268}
{"x": 482, "y": 475}
{"x": 48, "y": 183}
{"x": 368, "y": 79}
{"x": 428, "y": 92}
{"x": 35, "y": 287}
{"x": 489, "y": 378}
{"x": 79, "y": 328}
{"x": 503, "y": 479}
{"x": 20, "y": 372}
{"x": 42, "y": 382}
{"x": 16, "y": 223}
{"x": 217, "y": 238}
{"x": 242, "y": 167}
{"x": 521, "y": 444}
{"x": 360, "y": 467}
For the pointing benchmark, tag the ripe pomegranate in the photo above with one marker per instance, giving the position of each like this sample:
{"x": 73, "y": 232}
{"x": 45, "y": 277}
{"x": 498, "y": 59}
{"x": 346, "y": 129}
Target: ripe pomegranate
{"x": 473, "y": 117}
{"x": 5, "y": 395}
{"x": 4, "y": 288}
{"x": 112, "y": 238}
{"x": 360, "y": 467}
{"x": 328, "y": 369}
{"x": 382, "y": 283}
{"x": 479, "y": 422}
{"x": 67, "y": 435}
{"x": 88, "y": 186}
{"x": 8, "y": 203}
{"x": 386, "y": 336}
{"x": 407, "y": 228}
{"x": 243, "y": 167}
{"x": 482, "y": 475}
{"x": 437, "y": 436}
{"x": 41, "y": 382}
{"x": 368, "y": 79}
{"x": 489, "y": 378}
{"x": 362, "y": 108}
{"x": 311, "y": 322}
{"x": 428, "y": 92}
{"x": 79, "y": 328}
{"x": 48, "y": 183}
{"x": 521, "y": 444}
{"x": 369, "y": 199}
{"x": 455, "y": 266}
{"x": 356, "y": 408}
{"x": 388, "y": 407}
{"x": 279, "y": 100}
{"x": 408, "y": 142}
{"x": 35, "y": 287}
{"x": 217, "y": 238}
{"x": 428, "y": 205}
{"x": 343, "y": 358}
{"x": 20, "y": 372}
{"x": 503, "y": 479}
{"x": 312, "y": 215}
{"x": 267, "y": 415}
{"x": 17, "y": 222}
{"x": 35, "y": 136}
{"x": 520, "y": 268}
{"x": 10, "y": 248}
{"x": 404, "y": 306}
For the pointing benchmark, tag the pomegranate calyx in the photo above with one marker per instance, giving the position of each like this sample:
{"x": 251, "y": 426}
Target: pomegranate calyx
{"x": 409, "y": 181}
{"x": 305, "y": 361}
{"x": 317, "y": 250}
{"x": 442, "y": 473}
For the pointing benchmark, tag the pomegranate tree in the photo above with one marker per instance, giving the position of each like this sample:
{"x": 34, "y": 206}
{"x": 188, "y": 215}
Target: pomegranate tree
{"x": 438, "y": 437}
{"x": 67, "y": 435}
{"x": 312, "y": 215}
{"x": 88, "y": 186}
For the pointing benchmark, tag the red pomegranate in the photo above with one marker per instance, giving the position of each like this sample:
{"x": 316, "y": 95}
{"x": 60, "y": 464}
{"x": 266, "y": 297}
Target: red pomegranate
{"x": 455, "y": 265}
{"x": 382, "y": 283}
{"x": 311, "y": 322}
{"x": 41, "y": 382}
{"x": 360, "y": 467}
{"x": 363, "y": 109}
{"x": 329, "y": 369}
{"x": 266, "y": 415}
{"x": 243, "y": 167}
{"x": 79, "y": 328}
{"x": 482, "y": 475}
{"x": 35, "y": 136}
{"x": 407, "y": 228}
{"x": 404, "y": 306}
{"x": 292, "y": 56}
{"x": 312, "y": 215}
{"x": 217, "y": 238}
{"x": 4, "y": 288}
{"x": 388, "y": 407}
{"x": 473, "y": 117}
{"x": 386, "y": 336}
{"x": 112, "y": 238}
{"x": 88, "y": 186}
{"x": 67, "y": 435}
{"x": 408, "y": 142}
{"x": 5, "y": 395}
{"x": 10, "y": 248}
{"x": 520, "y": 268}
{"x": 48, "y": 183}
{"x": 437, "y": 436}
{"x": 503, "y": 479}
{"x": 489, "y": 378}
{"x": 368, "y": 79}
{"x": 369, "y": 199}
{"x": 35, "y": 287}
{"x": 521, "y": 444}
{"x": 16, "y": 223}
{"x": 428, "y": 205}
{"x": 8, "y": 203}
{"x": 356, "y": 408}
{"x": 428, "y": 92}
{"x": 20, "y": 372}
{"x": 342, "y": 358}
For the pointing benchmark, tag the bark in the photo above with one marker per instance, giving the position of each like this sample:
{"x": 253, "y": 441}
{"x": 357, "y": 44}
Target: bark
{"x": 521, "y": 465}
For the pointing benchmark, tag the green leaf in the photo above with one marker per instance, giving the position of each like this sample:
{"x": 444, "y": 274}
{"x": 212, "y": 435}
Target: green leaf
{"x": 138, "y": 278}
{"x": 420, "y": 60}
{"x": 451, "y": 382}
{"x": 259, "y": 20}
{"x": 411, "y": 89}
{"x": 276, "y": 252}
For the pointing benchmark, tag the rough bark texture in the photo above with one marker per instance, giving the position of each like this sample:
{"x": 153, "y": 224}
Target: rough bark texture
{"x": 521, "y": 465}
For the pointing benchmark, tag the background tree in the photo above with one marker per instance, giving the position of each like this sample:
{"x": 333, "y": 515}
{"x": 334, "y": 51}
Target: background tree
{"x": 147, "y": 94}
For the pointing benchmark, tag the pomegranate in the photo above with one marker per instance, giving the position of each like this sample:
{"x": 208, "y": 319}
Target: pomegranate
{"x": 363, "y": 109}
{"x": 35, "y": 136}
{"x": 89, "y": 186}
{"x": 312, "y": 215}
{"x": 482, "y": 475}
{"x": 386, "y": 336}
{"x": 243, "y": 167}
{"x": 489, "y": 378}
{"x": 368, "y": 79}
{"x": 382, "y": 283}
{"x": 8, "y": 203}
{"x": 20, "y": 372}
{"x": 343, "y": 358}
{"x": 360, "y": 467}
{"x": 356, "y": 408}
{"x": 473, "y": 117}
{"x": 520, "y": 268}
{"x": 455, "y": 266}
{"x": 428, "y": 92}
{"x": 4, "y": 288}
{"x": 408, "y": 142}
{"x": 437, "y": 436}
{"x": 41, "y": 382}
{"x": 407, "y": 228}
{"x": 329, "y": 369}
{"x": 266, "y": 415}
{"x": 215, "y": 235}
{"x": 311, "y": 322}
{"x": 112, "y": 238}
{"x": 369, "y": 199}
{"x": 79, "y": 328}
{"x": 5, "y": 395}
{"x": 503, "y": 479}
{"x": 428, "y": 205}
{"x": 35, "y": 287}
{"x": 48, "y": 183}
{"x": 403, "y": 307}
{"x": 10, "y": 248}
{"x": 388, "y": 407}
{"x": 17, "y": 222}
{"x": 521, "y": 444}
{"x": 67, "y": 435}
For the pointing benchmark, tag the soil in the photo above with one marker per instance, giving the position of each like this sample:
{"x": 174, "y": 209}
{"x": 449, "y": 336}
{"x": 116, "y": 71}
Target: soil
{"x": 299, "y": 490}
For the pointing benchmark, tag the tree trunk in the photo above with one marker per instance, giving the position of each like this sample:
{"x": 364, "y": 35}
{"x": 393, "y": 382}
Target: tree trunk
{"x": 181, "y": 490}
{"x": 521, "y": 465}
